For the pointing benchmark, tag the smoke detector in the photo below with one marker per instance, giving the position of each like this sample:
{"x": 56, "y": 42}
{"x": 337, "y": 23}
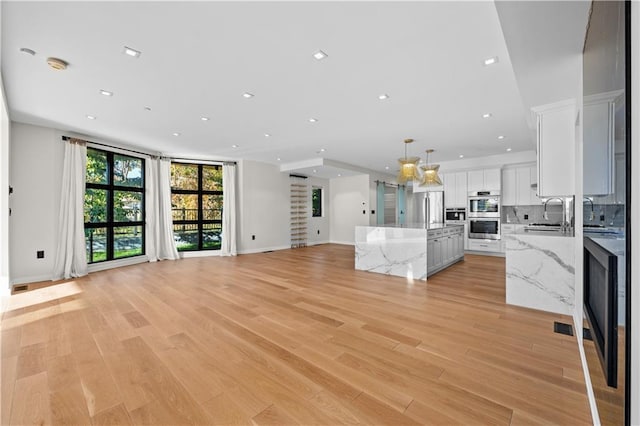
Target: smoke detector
{"x": 57, "y": 64}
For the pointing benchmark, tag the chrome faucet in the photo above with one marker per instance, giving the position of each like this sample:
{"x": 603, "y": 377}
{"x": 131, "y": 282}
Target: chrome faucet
{"x": 592, "y": 215}
{"x": 564, "y": 225}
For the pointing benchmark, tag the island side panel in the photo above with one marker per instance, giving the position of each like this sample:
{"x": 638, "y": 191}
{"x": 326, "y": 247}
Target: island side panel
{"x": 401, "y": 252}
{"x": 540, "y": 272}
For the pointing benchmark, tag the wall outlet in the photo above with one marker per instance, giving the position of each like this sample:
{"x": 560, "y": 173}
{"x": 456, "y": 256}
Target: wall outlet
{"x": 318, "y": 232}
{"x": 364, "y": 212}
{"x": 253, "y": 237}
{"x": 526, "y": 217}
{"x": 373, "y": 212}
{"x": 40, "y": 254}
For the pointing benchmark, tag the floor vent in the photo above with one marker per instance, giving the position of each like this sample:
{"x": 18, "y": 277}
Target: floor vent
{"x": 586, "y": 334}
{"x": 562, "y": 328}
{"x": 17, "y": 288}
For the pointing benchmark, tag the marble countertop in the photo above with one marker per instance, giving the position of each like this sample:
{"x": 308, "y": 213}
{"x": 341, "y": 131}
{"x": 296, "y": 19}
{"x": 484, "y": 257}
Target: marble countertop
{"x": 420, "y": 226}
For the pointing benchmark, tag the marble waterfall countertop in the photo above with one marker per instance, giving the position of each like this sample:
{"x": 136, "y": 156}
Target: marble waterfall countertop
{"x": 399, "y": 250}
{"x": 540, "y": 271}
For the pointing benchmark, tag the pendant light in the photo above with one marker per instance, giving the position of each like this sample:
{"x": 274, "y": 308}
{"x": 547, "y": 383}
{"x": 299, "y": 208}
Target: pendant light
{"x": 430, "y": 173}
{"x": 408, "y": 166}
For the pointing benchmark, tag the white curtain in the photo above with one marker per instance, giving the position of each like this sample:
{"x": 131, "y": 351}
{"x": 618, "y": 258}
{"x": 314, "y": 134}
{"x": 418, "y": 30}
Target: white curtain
{"x": 151, "y": 208}
{"x": 228, "y": 210}
{"x": 165, "y": 245}
{"x": 71, "y": 255}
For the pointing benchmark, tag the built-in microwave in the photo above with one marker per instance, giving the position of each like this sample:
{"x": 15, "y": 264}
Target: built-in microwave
{"x": 455, "y": 215}
{"x": 485, "y": 228}
{"x": 484, "y": 204}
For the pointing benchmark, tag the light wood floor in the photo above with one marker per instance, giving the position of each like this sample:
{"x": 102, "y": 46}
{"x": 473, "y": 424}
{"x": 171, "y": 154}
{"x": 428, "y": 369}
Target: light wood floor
{"x": 289, "y": 337}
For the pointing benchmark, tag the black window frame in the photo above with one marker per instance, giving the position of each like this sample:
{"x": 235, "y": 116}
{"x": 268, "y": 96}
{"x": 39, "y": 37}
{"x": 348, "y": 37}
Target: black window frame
{"x": 200, "y": 192}
{"x": 111, "y": 188}
{"x": 320, "y": 205}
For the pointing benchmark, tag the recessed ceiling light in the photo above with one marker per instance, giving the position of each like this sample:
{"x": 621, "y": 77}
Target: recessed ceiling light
{"x": 204, "y": 118}
{"x": 234, "y": 146}
{"x": 491, "y": 61}
{"x": 57, "y": 64}
{"x": 487, "y": 115}
{"x": 106, "y": 92}
{"x": 247, "y": 95}
{"x": 508, "y": 149}
{"x": 383, "y": 97}
{"x": 147, "y": 108}
{"x": 132, "y": 52}
{"x": 278, "y": 159}
{"x": 500, "y": 137}
{"x": 319, "y": 55}
{"x": 313, "y": 120}
{"x": 461, "y": 156}
{"x": 315, "y": 171}
{"x": 267, "y": 135}
{"x": 91, "y": 117}
{"x": 386, "y": 167}
{"x": 322, "y": 150}
{"x": 176, "y": 134}
{"x": 28, "y": 51}
{"x": 339, "y": 175}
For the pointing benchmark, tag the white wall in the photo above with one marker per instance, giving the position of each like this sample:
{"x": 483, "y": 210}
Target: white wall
{"x": 264, "y": 208}
{"x": 36, "y": 158}
{"x": 4, "y": 192}
{"x": 349, "y": 198}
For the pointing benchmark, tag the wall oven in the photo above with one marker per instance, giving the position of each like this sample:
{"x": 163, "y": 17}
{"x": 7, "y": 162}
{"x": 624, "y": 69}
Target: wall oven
{"x": 486, "y": 228}
{"x": 484, "y": 204}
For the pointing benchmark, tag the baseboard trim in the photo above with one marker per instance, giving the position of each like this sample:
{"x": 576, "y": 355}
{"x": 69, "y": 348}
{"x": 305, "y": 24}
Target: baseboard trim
{"x": 344, "y": 243}
{"x": 203, "y": 253}
{"x": 263, "y": 249}
{"x": 31, "y": 279}
{"x": 485, "y": 253}
{"x": 103, "y": 266}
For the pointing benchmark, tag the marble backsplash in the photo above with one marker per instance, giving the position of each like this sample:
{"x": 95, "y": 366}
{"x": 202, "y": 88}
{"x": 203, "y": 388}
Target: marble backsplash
{"x": 603, "y": 214}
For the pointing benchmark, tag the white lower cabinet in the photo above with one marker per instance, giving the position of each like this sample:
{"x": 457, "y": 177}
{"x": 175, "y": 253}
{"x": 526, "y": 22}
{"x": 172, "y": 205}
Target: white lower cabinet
{"x": 485, "y": 245}
{"x": 444, "y": 247}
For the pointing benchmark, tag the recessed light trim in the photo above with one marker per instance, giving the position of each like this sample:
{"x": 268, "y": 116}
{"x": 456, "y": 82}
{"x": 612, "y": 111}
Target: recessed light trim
{"x": 28, "y": 51}
{"x": 339, "y": 174}
{"x": 204, "y": 118}
{"x": 320, "y": 55}
{"x": 501, "y": 137}
{"x": 461, "y": 156}
{"x": 508, "y": 149}
{"x": 313, "y": 120}
{"x": 91, "y": 117}
{"x": 131, "y": 52}
{"x": 278, "y": 159}
{"x": 234, "y": 146}
{"x": 383, "y": 96}
{"x": 247, "y": 95}
{"x": 267, "y": 135}
{"x": 106, "y": 92}
{"x": 57, "y": 64}
{"x": 315, "y": 171}
{"x": 176, "y": 134}
{"x": 487, "y": 115}
{"x": 490, "y": 61}
{"x": 386, "y": 167}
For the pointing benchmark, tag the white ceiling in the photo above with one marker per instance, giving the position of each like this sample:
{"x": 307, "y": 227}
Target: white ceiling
{"x": 198, "y": 59}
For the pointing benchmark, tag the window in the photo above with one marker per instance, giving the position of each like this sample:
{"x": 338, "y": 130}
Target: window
{"x": 316, "y": 201}
{"x": 113, "y": 206}
{"x": 196, "y": 203}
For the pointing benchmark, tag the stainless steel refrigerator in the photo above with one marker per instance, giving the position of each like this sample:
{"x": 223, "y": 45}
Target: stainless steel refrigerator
{"x": 429, "y": 207}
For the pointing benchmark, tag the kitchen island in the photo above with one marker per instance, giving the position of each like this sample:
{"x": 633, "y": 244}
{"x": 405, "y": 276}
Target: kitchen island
{"x": 408, "y": 251}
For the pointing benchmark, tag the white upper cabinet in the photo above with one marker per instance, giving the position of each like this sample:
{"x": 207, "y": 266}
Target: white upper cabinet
{"x": 518, "y": 186}
{"x": 483, "y": 180}
{"x": 455, "y": 189}
{"x": 509, "y": 187}
{"x": 555, "y": 146}
{"x": 599, "y": 145}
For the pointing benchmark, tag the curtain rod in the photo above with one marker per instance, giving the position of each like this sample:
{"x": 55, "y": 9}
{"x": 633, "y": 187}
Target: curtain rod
{"x": 224, "y": 163}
